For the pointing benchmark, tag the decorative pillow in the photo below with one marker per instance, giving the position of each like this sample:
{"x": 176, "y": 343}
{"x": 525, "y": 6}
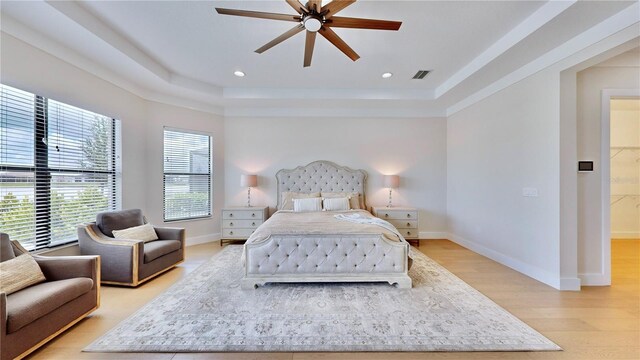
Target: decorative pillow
{"x": 336, "y": 204}
{"x": 288, "y": 196}
{"x": 115, "y": 220}
{"x": 307, "y": 205}
{"x": 144, "y": 232}
{"x": 19, "y": 273}
{"x": 354, "y": 197}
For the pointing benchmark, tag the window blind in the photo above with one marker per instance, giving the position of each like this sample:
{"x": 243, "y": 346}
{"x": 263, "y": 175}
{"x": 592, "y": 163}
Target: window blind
{"x": 59, "y": 166}
{"x": 187, "y": 175}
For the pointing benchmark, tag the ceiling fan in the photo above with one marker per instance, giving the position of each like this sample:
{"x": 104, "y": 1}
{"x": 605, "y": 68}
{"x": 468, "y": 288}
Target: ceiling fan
{"x": 315, "y": 18}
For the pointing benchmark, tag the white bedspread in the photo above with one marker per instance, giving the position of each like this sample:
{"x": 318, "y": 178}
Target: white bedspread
{"x": 320, "y": 222}
{"x": 359, "y": 218}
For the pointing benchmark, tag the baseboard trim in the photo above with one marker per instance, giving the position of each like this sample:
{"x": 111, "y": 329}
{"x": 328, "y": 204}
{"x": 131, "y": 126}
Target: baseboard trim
{"x": 570, "y": 284}
{"x": 203, "y": 239}
{"x": 625, "y": 235}
{"x": 432, "y": 235}
{"x": 524, "y": 268}
{"x": 594, "y": 279}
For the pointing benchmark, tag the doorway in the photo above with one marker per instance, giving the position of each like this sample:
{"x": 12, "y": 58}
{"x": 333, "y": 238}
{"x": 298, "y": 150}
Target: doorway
{"x": 623, "y": 184}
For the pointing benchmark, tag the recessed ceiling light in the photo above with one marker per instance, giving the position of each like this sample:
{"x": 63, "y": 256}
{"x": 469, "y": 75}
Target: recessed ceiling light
{"x": 387, "y": 75}
{"x": 238, "y": 73}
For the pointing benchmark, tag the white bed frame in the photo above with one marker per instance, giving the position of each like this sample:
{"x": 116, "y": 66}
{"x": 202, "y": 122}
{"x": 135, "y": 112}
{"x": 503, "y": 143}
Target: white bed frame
{"x": 327, "y": 257}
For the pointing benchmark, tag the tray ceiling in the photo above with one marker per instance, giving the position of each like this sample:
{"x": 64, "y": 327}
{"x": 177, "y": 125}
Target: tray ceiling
{"x": 186, "y": 49}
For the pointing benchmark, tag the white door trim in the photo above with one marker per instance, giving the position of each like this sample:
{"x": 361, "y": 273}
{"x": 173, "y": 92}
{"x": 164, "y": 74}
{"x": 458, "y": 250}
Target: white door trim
{"x": 605, "y": 166}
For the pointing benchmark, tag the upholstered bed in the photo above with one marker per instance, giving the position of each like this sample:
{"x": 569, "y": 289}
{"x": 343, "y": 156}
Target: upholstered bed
{"x": 318, "y": 247}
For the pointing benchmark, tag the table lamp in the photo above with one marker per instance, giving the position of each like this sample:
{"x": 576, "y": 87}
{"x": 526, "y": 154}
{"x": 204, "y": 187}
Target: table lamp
{"x": 391, "y": 182}
{"x": 249, "y": 181}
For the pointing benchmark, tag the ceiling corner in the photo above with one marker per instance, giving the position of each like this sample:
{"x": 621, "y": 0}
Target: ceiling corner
{"x": 84, "y": 18}
{"x": 535, "y": 21}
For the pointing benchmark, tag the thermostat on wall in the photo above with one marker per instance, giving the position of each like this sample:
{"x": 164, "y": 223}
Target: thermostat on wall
{"x": 585, "y": 166}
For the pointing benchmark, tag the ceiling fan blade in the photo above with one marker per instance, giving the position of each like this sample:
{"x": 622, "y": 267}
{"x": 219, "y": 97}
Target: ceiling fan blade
{"x": 338, "y": 42}
{"x": 346, "y": 22}
{"x": 258, "y": 14}
{"x": 333, "y": 7}
{"x": 315, "y": 5}
{"x": 297, "y": 5}
{"x": 308, "y": 48}
{"x": 280, "y": 38}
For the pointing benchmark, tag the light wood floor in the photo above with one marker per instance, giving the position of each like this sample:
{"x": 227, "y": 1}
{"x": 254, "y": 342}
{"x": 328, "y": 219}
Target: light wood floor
{"x": 595, "y": 323}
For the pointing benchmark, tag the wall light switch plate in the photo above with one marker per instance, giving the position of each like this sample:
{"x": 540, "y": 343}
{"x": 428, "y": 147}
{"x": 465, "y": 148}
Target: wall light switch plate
{"x": 530, "y": 192}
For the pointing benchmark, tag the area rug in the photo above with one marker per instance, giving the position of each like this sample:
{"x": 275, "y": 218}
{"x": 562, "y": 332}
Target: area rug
{"x": 208, "y": 312}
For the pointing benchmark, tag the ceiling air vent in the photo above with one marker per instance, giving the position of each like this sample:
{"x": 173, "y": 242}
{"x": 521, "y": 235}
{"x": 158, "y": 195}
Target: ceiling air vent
{"x": 420, "y": 74}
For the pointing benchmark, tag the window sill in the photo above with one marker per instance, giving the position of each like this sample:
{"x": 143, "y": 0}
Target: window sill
{"x": 53, "y": 248}
{"x": 210, "y": 217}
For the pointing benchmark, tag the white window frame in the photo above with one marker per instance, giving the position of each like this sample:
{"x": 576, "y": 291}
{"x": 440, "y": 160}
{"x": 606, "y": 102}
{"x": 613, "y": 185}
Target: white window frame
{"x": 164, "y": 173}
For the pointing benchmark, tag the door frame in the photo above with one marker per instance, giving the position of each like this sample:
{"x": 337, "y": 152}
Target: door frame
{"x": 605, "y": 166}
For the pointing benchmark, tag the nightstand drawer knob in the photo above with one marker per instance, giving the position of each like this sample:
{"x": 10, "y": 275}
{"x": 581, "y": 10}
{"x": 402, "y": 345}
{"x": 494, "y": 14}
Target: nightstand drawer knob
{"x": 408, "y": 232}
{"x": 253, "y": 224}
{"x": 230, "y": 214}
{"x": 386, "y": 215}
{"x": 230, "y": 232}
{"x": 408, "y": 224}
{"x": 253, "y": 215}
{"x": 408, "y": 215}
{"x": 230, "y": 224}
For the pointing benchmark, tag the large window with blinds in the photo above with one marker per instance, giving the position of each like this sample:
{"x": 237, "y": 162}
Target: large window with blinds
{"x": 59, "y": 166}
{"x": 187, "y": 175}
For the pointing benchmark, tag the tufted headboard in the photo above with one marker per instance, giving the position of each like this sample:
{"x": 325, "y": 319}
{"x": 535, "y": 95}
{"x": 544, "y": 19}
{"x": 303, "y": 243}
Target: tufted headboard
{"x": 321, "y": 176}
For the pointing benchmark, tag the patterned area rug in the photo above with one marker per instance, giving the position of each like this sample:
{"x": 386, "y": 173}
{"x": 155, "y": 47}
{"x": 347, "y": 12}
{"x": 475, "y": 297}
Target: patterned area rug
{"x": 208, "y": 312}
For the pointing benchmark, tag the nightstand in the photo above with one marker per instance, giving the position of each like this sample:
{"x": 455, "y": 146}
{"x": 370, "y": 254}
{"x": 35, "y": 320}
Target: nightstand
{"x": 405, "y": 219}
{"x": 238, "y": 223}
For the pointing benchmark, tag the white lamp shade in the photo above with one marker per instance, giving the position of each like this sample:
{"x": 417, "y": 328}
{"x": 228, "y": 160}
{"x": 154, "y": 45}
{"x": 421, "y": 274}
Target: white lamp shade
{"x": 249, "y": 180}
{"x": 391, "y": 181}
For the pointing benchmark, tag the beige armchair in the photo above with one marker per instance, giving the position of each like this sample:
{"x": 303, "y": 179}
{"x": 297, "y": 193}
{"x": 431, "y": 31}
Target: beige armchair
{"x": 34, "y": 315}
{"x": 130, "y": 262}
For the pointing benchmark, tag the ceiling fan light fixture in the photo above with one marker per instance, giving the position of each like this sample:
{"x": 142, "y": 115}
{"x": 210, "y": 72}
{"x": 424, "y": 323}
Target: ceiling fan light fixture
{"x": 238, "y": 73}
{"x": 312, "y": 23}
{"x": 387, "y": 75}
{"x": 314, "y": 18}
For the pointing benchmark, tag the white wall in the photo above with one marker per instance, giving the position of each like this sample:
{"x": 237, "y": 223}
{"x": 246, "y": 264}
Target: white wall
{"x": 590, "y": 83}
{"x": 536, "y": 117}
{"x": 415, "y": 149}
{"x": 495, "y": 148}
{"x": 625, "y": 170}
{"x": 28, "y": 68}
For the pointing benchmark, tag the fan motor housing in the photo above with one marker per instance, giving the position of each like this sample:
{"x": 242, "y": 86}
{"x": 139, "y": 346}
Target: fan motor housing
{"x": 312, "y": 23}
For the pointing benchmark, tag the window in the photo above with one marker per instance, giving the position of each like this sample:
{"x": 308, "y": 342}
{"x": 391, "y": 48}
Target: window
{"x": 187, "y": 175}
{"x": 59, "y": 166}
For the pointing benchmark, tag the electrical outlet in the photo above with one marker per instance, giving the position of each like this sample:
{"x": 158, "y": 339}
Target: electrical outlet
{"x": 530, "y": 192}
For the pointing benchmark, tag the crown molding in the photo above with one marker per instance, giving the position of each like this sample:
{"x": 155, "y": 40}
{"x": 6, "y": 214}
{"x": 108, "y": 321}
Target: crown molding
{"x": 535, "y": 21}
{"x": 614, "y": 31}
{"x": 95, "y": 25}
{"x": 17, "y": 30}
{"x": 83, "y": 17}
{"x": 327, "y": 94}
{"x": 360, "y": 112}
{"x": 196, "y": 85}
{"x": 185, "y": 103}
